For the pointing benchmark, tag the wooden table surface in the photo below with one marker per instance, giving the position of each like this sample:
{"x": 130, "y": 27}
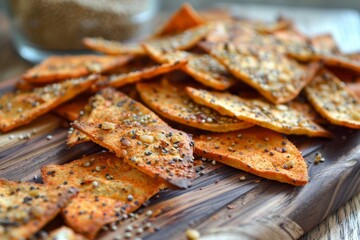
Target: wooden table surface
{"x": 343, "y": 224}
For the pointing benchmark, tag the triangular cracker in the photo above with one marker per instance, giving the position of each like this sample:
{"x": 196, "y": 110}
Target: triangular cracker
{"x": 22, "y": 107}
{"x": 56, "y": 68}
{"x": 280, "y": 118}
{"x": 26, "y": 207}
{"x": 258, "y": 151}
{"x": 184, "y": 18}
{"x": 157, "y": 151}
{"x": 113, "y": 47}
{"x": 115, "y": 107}
{"x": 203, "y": 68}
{"x": 169, "y": 100}
{"x": 109, "y": 188}
{"x": 277, "y": 77}
{"x": 333, "y": 100}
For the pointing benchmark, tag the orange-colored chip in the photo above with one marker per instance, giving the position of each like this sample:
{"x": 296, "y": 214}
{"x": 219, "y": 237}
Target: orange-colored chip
{"x": 109, "y": 188}
{"x": 280, "y": 118}
{"x": 113, "y": 47}
{"x": 215, "y": 14}
{"x": 27, "y": 207}
{"x": 325, "y": 42}
{"x": 333, "y": 100}
{"x": 57, "y": 68}
{"x": 355, "y": 88}
{"x": 112, "y": 106}
{"x": 307, "y": 110}
{"x": 169, "y": 100}
{"x": 71, "y": 110}
{"x": 258, "y": 151}
{"x": 160, "y": 152}
{"x": 64, "y": 233}
{"x": 278, "y": 78}
{"x": 22, "y": 107}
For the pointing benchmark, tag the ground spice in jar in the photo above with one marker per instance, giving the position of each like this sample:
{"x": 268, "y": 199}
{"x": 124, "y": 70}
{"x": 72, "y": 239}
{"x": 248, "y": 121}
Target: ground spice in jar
{"x": 61, "y": 24}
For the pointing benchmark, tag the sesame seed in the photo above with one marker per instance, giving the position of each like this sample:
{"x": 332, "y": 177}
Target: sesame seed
{"x": 128, "y": 235}
{"x": 148, "y": 213}
{"x": 130, "y": 197}
{"x": 95, "y": 183}
{"x": 86, "y": 164}
{"x": 192, "y": 234}
{"x": 242, "y": 178}
{"x": 213, "y": 162}
{"x": 98, "y": 168}
{"x": 49, "y": 137}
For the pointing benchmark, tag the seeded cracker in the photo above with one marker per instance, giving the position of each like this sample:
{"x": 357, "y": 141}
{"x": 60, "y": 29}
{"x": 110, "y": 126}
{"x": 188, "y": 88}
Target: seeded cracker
{"x": 27, "y": 207}
{"x": 181, "y": 41}
{"x": 333, "y": 100}
{"x": 57, "y": 68}
{"x": 64, "y": 233}
{"x": 280, "y": 118}
{"x": 113, "y": 106}
{"x": 277, "y": 77}
{"x": 157, "y": 151}
{"x": 184, "y": 18}
{"x": 258, "y": 151}
{"x": 203, "y": 68}
{"x": 109, "y": 188}
{"x": 22, "y": 107}
{"x": 169, "y": 100}
{"x": 71, "y": 109}
{"x": 113, "y": 47}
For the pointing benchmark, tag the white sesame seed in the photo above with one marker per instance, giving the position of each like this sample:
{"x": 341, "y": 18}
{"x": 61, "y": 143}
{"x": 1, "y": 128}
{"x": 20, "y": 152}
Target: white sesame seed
{"x": 148, "y": 213}
{"x": 98, "y": 168}
{"x": 49, "y": 137}
{"x": 95, "y": 183}
{"x": 130, "y": 197}
{"x": 242, "y": 178}
{"x": 192, "y": 234}
{"x": 86, "y": 164}
{"x": 128, "y": 235}
{"x": 213, "y": 162}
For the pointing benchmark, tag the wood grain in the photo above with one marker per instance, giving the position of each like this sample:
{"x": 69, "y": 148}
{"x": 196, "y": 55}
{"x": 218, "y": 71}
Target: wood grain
{"x": 257, "y": 206}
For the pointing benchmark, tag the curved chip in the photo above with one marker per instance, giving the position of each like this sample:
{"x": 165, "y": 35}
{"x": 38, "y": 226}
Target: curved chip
{"x": 109, "y": 188}
{"x": 56, "y": 68}
{"x": 258, "y": 151}
{"x": 203, "y": 68}
{"x": 184, "y": 18}
{"x": 27, "y": 207}
{"x": 113, "y": 47}
{"x": 22, "y": 107}
{"x": 160, "y": 152}
{"x": 170, "y": 101}
{"x": 277, "y": 77}
{"x": 333, "y": 100}
{"x": 280, "y": 118}
{"x": 64, "y": 233}
{"x": 113, "y": 106}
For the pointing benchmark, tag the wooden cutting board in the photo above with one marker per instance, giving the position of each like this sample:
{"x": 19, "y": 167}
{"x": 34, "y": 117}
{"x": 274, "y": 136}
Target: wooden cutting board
{"x": 218, "y": 204}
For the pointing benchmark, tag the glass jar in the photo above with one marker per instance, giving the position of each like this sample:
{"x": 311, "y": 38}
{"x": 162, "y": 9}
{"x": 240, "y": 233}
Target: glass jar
{"x": 45, "y": 27}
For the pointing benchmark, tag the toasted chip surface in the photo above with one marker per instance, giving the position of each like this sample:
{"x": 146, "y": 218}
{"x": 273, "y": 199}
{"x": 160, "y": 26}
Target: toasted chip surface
{"x": 333, "y": 100}
{"x": 256, "y": 150}
{"x": 203, "y": 68}
{"x": 113, "y": 47}
{"x": 184, "y": 18}
{"x": 71, "y": 110}
{"x": 58, "y": 68}
{"x": 113, "y": 106}
{"x": 280, "y": 118}
{"x": 109, "y": 188}
{"x": 157, "y": 151}
{"x": 169, "y": 100}
{"x": 22, "y": 107}
{"x": 277, "y": 77}
{"x": 64, "y": 233}
{"x": 27, "y": 207}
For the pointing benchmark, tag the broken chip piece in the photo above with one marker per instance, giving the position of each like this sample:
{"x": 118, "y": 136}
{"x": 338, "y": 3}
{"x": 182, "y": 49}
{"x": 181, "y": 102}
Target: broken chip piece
{"x": 277, "y": 77}
{"x": 160, "y": 152}
{"x": 27, "y": 207}
{"x": 56, "y": 68}
{"x": 280, "y": 118}
{"x": 108, "y": 187}
{"x": 169, "y": 100}
{"x": 22, "y": 107}
{"x": 258, "y": 151}
{"x": 331, "y": 98}
{"x": 113, "y": 106}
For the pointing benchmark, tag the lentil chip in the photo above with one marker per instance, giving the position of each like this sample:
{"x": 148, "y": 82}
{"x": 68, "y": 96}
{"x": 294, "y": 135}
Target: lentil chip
{"x": 163, "y": 152}
{"x": 333, "y": 100}
{"x": 22, "y": 107}
{"x": 57, "y": 68}
{"x": 278, "y": 78}
{"x": 113, "y": 106}
{"x": 169, "y": 100}
{"x": 280, "y": 118}
{"x": 106, "y": 201}
{"x": 64, "y": 233}
{"x": 259, "y": 151}
{"x": 203, "y": 68}
{"x": 27, "y": 207}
